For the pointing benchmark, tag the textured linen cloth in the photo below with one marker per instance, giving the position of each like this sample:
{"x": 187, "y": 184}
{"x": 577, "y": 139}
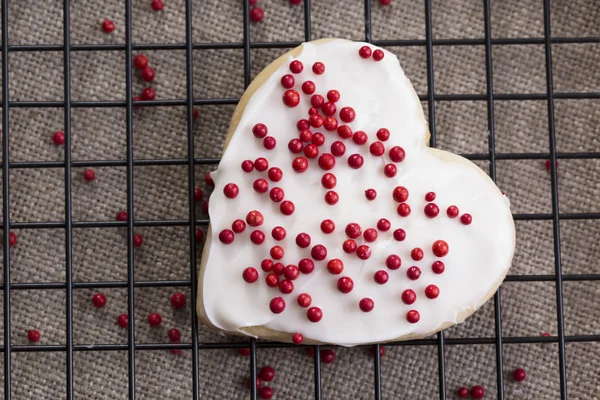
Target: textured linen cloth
{"x": 160, "y": 192}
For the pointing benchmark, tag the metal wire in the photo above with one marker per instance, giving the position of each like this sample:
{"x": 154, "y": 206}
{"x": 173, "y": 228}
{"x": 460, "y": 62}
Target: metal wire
{"x": 191, "y": 161}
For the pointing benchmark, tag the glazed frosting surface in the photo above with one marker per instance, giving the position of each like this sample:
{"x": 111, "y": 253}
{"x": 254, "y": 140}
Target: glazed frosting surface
{"x": 382, "y": 96}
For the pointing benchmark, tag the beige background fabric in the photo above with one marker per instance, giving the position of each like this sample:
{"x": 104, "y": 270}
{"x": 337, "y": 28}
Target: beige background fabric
{"x": 528, "y": 309}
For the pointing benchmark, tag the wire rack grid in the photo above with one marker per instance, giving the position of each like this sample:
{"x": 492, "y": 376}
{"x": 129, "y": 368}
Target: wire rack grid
{"x": 130, "y": 284}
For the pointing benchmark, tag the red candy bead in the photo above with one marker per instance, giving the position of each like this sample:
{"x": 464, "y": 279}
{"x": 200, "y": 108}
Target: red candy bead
{"x": 318, "y": 68}
{"x": 366, "y": 305}
{"x": 121, "y": 216}
{"x": 302, "y": 124}
{"x": 231, "y": 190}
{"x": 89, "y": 175}
{"x": 335, "y": 266}
{"x": 260, "y": 130}
{"x": 333, "y": 95}
{"x": 295, "y": 146}
{"x": 452, "y": 212}
{"x": 305, "y": 136}
{"x": 381, "y": 277}
{"x": 269, "y": 142}
{"x": 440, "y": 248}
{"x": 303, "y": 240}
{"x": 238, "y": 226}
{"x": 355, "y": 161}
{"x": 178, "y": 300}
{"x": 99, "y": 300}
{"x": 349, "y": 246}
{"x": 291, "y": 98}
{"x": 403, "y": 210}
{"x": 377, "y": 149}
{"x": 432, "y": 291}
{"x": 345, "y": 284}
{"x": 308, "y": 87}
{"x": 370, "y": 235}
{"x": 291, "y": 272}
{"x": 148, "y": 74}
{"x": 330, "y": 124}
{"x": 327, "y": 356}
{"x": 154, "y": 319}
{"x": 257, "y": 237}
{"x": 311, "y": 151}
{"x": 272, "y": 280}
{"x": 140, "y": 61}
{"x": 360, "y": 138}
{"x": 364, "y": 52}
{"x": 317, "y": 101}
{"x": 431, "y": 210}
{"x": 383, "y": 225}
{"x": 276, "y": 253}
{"x": 199, "y": 235}
{"x": 138, "y": 240}
{"x": 286, "y": 286}
{"x": 378, "y": 55}
{"x": 438, "y": 267}
{"x": 198, "y": 194}
{"x": 278, "y": 233}
{"x": 393, "y": 262}
{"x": 331, "y": 197}
{"x": 413, "y": 273}
{"x": 397, "y": 154}
{"x": 266, "y": 373}
{"x": 328, "y": 181}
{"x": 363, "y": 252}
{"x": 413, "y": 316}
{"x": 344, "y": 131}
{"x": 304, "y": 300}
{"x": 174, "y": 335}
{"x": 314, "y": 314}
{"x": 466, "y": 219}
{"x": 148, "y": 94}
{"x": 277, "y": 305}
{"x": 327, "y": 226}
{"x": 33, "y": 336}
{"x": 296, "y": 66}
{"x": 300, "y": 164}
{"x": 462, "y": 392}
{"x": 383, "y": 134}
{"x": 250, "y": 275}
{"x": 477, "y": 392}
{"x": 276, "y": 194}
{"x": 399, "y": 234}
{"x": 123, "y": 320}
{"x": 306, "y": 265}
{"x": 108, "y": 26}
{"x": 318, "y": 139}
{"x": 390, "y": 170}
{"x": 417, "y": 254}
{"x": 409, "y": 296}
{"x": 157, "y": 5}
{"x": 370, "y": 194}
{"x": 400, "y": 194}
{"x": 278, "y": 268}
{"x": 338, "y": 148}
{"x": 297, "y": 338}
{"x": 288, "y": 81}
{"x": 260, "y": 185}
{"x": 430, "y": 196}
{"x": 326, "y": 161}
{"x": 347, "y": 114}
{"x": 519, "y": 374}
{"x": 318, "y": 252}
{"x": 353, "y": 230}
{"x": 275, "y": 174}
{"x": 255, "y": 218}
{"x": 266, "y": 265}
{"x": 58, "y": 138}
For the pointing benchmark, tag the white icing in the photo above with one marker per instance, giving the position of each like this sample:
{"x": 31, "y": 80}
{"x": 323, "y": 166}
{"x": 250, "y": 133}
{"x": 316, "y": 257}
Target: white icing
{"x": 382, "y": 96}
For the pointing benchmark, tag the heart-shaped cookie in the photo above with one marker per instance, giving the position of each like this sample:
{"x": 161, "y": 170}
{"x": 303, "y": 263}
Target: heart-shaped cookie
{"x": 331, "y": 219}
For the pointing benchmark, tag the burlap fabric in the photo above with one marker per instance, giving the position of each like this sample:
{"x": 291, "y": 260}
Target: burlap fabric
{"x": 528, "y": 309}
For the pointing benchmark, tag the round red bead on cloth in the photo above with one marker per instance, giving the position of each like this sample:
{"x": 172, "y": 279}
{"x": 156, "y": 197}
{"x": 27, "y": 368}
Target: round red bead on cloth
{"x": 519, "y": 374}
{"x": 366, "y": 305}
{"x": 33, "y": 336}
{"x": 178, "y": 300}
{"x": 174, "y": 335}
{"x": 121, "y": 216}
{"x": 462, "y": 392}
{"x": 140, "y": 61}
{"x": 409, "y": 296}
{"x": 108, "y": 26}
{"x": 154, "y": 319}
{"x": 413, "y": 316}
{"x": 477, "y": 392}
{"x": 266, "y": 373}
{"x": 58, "y": 138}
{"x": 314, "y": 314}
{"x": 345, "y": 284}
{"x": 89, "y": 175}
{"x": 148, "y": 74}
{"x": 138, "y": 240}
{"x": 157, "y": 5}
{"x": 99, "y": 300}
{"x": 148, "y": 94}
{"x": 123, "y": 320}
{"x": 257, "y": 14}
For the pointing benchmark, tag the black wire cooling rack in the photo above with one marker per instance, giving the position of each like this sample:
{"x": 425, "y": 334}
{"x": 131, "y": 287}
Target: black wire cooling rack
{"x": 195, "y": 347}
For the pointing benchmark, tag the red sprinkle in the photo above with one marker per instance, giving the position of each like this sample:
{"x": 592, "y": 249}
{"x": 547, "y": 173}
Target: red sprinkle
{"x": 306, "y": 266}
{"x": 477, "y": 392}
{"x": 432, "y": 291}
{"x": 257, "y": 237}
{"x": 305, "y": 135}
{"x": 338, "y": 148}
{"x": 226, "y": 236}
{"x": 256, "y": 14}
{"x": 99, "y": 300}
{"x": 365, "y": 52}
{"x": 317, "y": 101}
{"x": 295, "y": 146}
{"x": 381, "y": 277}
{"x": 326, "y": 161}
{"x": 417, "y": 254}
{"x": 409, "y": 296}
{"x": 260, "y": 130}
{"x": 344, "y": 131}
{"x": 397, "y": 154}
{"x": 300, "y": 164}
{"x": 438, "y": 267}
{"x": 519, "y": 374}
{"x": 311, "y": 151}
{"x": 178, "y": 300}
{"x": 440, "y": 248}
{"x": 297, "y": 338}
{"x": 276, "y": 194}
{"x": 462, "y": 392}
{"x": 174, "y": 335}
{"x": 377, "y": 149}
{"x": 33, "y": 336}
{"x": 296, "y": 66}
{"x": 400, "y": 194}
{"x": 231, "y": 190}
{"x": 255, "y": 218}
{"x": 148, "y": 94}
{"x": 261, "y": 185}
{"x": 466, "y": 219}
{"x": 345, "y": 284}
{"x": 303, "y": 240}
{"x": 314, "y": 314}
{"x": 355, "y": 161}
{"x": 276, "y": 252}
{"x": 403, "y": 210}
{"x": 366, "y": 305}
{"x": 347, "y": 114}
{"x": 383, "y": 134}
{"x": 304, "y": 300}
{"x": 413, "y": 316}
{"x": 89, "y": 175}
{"x": 327, "y": 226}
{"x": 288, "y": 81}
{"x": 154, "y": 319}
{"x": 157, "y": 5}
{"x": 327, "y": 356}
{"x": 318, "y": 68}
{"x": 148, "y": 74}
{"x": 393, "y": 262}
{"x": 353, "y": 230}
{"x": 291, "y": 272}
{"x": 123, "y": 320}
{"x": 140, "y": 61}
{"x": 328, "y": 181}
{"x": 331, "y": 197}
{"x": 378, "y": 55}
{"x": 267, "y": 373}
{"x": 430, "y": 196}
{"x": 302, "y": 124}
{"x": 58, "y": 138}
{"x": 452, "y": 212}
{"x": 328, "y": 109}
{"x": 278, "y": 233}
{"x": 108, "y": 26}
{"x": 266, "y": 265}
{"x": 277, "y": 305}
{"x": 286, "y": 286}
{"x": 360, "y": 138}
{"x": 431, "y": 210}
{"x": 370, "y": 194}
{"x": 349, "y": 246}
{"x": 370, "y": 235}
{"x": 399, "y": 234}
{"x": 333, "y": 95}
{"x": 413, "y": 273}
{"x": 390, "y": 170}
{"x": 291, "y": 98}
{"x": 272, "y": 280}
{"x": 198, "y": 194}
{"x": 275, "y": 174}
{"x": 318, "y": 252}
{"x": 383, "y": 225}
{"x": 363, "y": 252}
{"x": 269, "y": 142}
{"x": 308, "y": 87}
{"x": 335, "y": 266}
